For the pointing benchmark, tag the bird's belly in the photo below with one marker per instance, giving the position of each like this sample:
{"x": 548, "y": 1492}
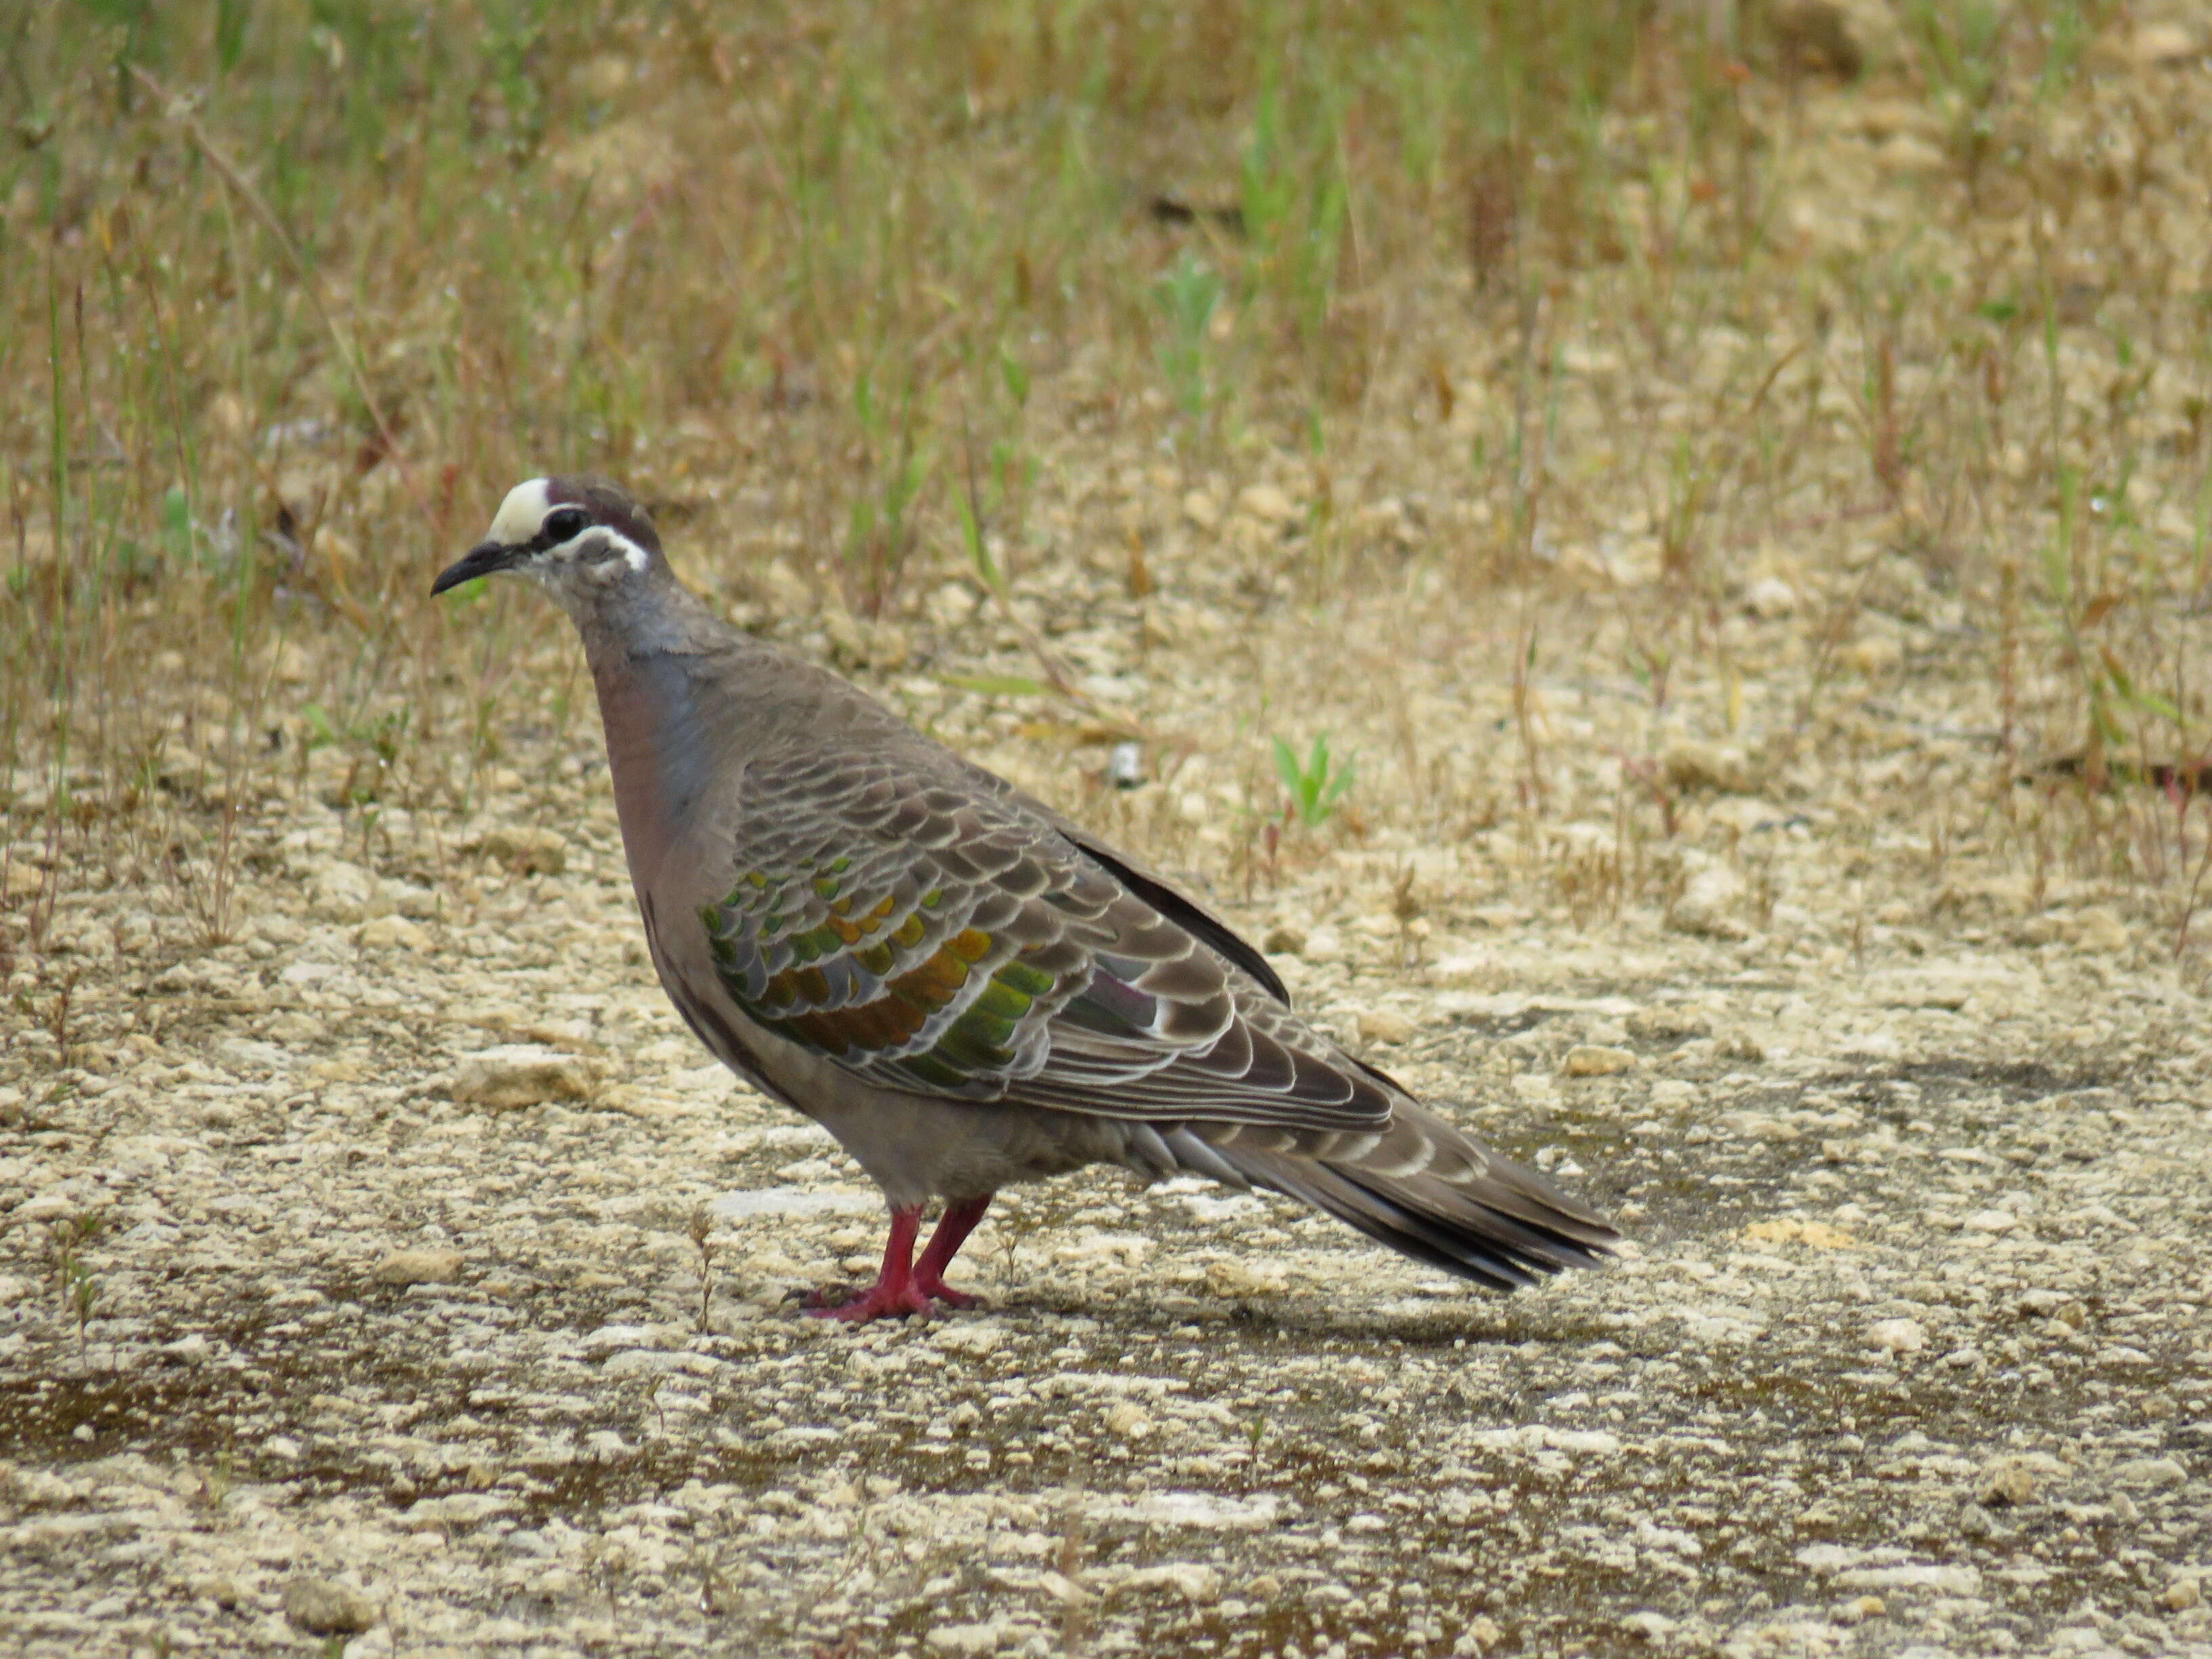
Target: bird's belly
{"x": 916, "y": 1148}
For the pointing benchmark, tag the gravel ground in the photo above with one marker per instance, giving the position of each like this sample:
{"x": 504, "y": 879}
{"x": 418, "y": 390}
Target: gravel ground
{"x": 389, "y": 1221}
{"x": 399, "y": 1277}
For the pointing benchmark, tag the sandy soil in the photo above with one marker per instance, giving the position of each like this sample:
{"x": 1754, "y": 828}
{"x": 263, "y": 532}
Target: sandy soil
{"x": 396, "y": 1328}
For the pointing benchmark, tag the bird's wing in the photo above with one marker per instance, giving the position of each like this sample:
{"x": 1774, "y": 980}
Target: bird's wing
{"x": 931, "y": 937}
{"x": 1150, "y": 885}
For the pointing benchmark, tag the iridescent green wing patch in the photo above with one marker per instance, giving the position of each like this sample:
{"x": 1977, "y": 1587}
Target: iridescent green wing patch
{"x": 887, "y": 968}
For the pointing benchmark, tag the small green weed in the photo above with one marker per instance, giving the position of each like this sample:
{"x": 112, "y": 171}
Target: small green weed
{"x": 700, "y": 1229}
{"x": 1187, "y": 296}
{"x": 1318, "y": 786}
{"x": 76, "y": 1290}
{"x": 882, "y": 532}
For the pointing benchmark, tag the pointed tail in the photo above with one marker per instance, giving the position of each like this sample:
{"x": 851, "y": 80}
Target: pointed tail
{"x": 1427, "y": 1191}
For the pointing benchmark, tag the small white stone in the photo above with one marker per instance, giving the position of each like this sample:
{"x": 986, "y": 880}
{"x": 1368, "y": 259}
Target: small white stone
{"x": 1061, "y": 1588}
{"x": 1771, "y": 597}
{"x": 1127, "y": 1420}
{"x": 2160, "y": 43}
{"x": 418, "y": 1267}
{"x": 1204, "y": 1509}
{"x": 2098, "y": 929}
{"x": 1707, "y": 901}
{"x": 521, "y": 1074}
{"x": 1669, "y": 1023}
{"x": 1691, "y": 764}
{"x": 1383, "y": 1026}
{"x": 1268, "y": 503}
{"x": 2016, "y": 1478}
{"x": 527, "y": 849}
{"x": 1874, "y": 656}
{"x": 1197, "y": 1583}
{"x": 1897, "y": 1336}
{"x": 393, "y": 933}
{"x": 965, "y": 1641}
{"x": 2142, "y": 1473}
{"x": 322, "y": 1608}
{"x": 1647, "y": 1625}
{"x": 1941, "y": 1578}
{"x": 1323, "y": 944}
{"x": 460, "y": 1508}
{"x": 976, "y": 1337}
{"x": 1233, "y": 1277}
{"x": 339, "y": 891}
{"x": 1596, "y": 1060}
{"x": 46, "y": 1206}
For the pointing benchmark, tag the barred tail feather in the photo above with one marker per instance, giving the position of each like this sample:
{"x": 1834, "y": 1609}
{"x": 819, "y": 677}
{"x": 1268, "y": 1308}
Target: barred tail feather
{"x": 1428, "y": 1192}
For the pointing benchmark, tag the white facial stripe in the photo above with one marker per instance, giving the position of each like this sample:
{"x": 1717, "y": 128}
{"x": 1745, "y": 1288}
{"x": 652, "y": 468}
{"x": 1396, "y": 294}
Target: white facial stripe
{"x": 633, "y": 557}
{"x": 520, "y": 514}
{"x": 597, "y": 555}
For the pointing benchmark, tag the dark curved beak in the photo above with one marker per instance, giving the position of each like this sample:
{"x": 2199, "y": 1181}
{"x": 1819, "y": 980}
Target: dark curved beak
{"x": 483, "y": 560}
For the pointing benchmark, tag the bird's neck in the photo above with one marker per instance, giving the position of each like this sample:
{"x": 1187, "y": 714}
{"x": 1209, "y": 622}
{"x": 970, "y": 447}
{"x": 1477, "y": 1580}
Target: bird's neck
{"x": 651, "y": 613}
{"x": 669, "y": 730}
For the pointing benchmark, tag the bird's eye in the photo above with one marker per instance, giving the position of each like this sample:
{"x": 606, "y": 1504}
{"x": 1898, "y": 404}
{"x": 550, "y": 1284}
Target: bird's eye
{"x": 569, "y": 521}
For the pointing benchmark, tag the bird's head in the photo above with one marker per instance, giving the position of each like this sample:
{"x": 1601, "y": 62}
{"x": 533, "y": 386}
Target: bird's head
{"x": 585, "y": 540}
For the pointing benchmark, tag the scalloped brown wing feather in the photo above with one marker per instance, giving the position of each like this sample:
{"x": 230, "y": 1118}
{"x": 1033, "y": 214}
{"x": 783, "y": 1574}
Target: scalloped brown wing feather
{"x": 959, "y": 943}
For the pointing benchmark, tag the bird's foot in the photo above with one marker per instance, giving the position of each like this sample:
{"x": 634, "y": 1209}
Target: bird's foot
{"x": 905, "y": 1285}
{"x": 877, "y": 1302}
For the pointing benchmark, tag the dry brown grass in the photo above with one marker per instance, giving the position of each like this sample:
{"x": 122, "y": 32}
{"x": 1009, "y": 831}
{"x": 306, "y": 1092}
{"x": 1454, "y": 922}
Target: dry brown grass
{"x": 1458, "y": 383}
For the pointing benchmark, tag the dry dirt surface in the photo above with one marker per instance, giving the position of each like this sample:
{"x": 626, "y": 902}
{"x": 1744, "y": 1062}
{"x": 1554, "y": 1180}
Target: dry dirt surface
{"x": 362, "y": 1307}
{"x": 1750, "y": 533}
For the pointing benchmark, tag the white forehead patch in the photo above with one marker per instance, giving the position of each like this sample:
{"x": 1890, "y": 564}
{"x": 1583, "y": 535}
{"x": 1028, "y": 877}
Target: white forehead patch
{"x": 520, "y": 514}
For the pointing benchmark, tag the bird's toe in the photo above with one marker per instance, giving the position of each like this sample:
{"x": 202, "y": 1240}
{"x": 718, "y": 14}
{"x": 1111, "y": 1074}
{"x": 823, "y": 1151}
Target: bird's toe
{"x": 878, "y": 1302}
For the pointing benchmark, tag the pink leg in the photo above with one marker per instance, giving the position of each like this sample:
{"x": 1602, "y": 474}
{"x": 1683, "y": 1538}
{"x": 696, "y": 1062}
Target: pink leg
{"x": 952, "y": 1229}
{"x": 895, "y": 1290}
